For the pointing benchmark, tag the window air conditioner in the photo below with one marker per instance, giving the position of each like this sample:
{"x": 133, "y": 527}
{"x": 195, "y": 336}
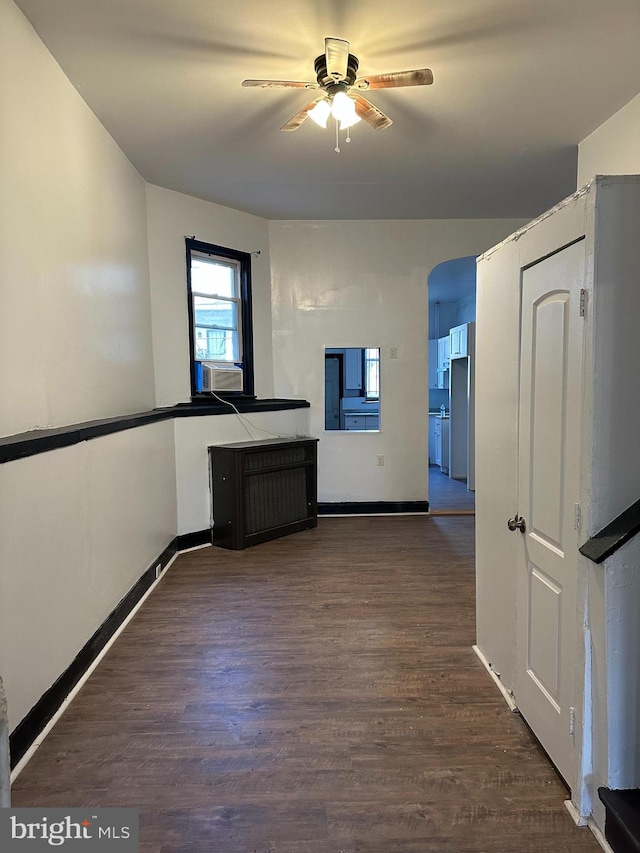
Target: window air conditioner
{"x": 218, "y": 378}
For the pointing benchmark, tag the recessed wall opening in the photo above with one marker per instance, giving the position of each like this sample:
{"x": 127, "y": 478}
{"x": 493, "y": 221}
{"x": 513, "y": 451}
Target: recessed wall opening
{"x": 352, "y": 389}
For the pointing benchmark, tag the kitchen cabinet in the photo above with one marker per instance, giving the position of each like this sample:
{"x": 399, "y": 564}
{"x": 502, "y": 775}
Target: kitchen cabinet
{"x": 362, "y": 422}
{"x": 458, "y": 337}
{"x": 353, "y": 369}
{"x": 443, "y": 362}
{"x": 461, "y": 340}
{"x": 442, "y": 444}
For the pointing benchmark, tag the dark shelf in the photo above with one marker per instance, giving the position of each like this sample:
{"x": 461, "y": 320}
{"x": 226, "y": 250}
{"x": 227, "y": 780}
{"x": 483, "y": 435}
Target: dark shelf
{"x": 613, "y": 536}
{"x": 27, "y": 444}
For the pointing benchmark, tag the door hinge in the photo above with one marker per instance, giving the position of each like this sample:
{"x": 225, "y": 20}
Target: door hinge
{"x": 583, "y": 301}
{"x": 572, "y": 720}
{"x": 577, "y": 517}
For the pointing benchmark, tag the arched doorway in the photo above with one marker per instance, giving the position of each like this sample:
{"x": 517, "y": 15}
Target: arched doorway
{"x": 452, "y": 306}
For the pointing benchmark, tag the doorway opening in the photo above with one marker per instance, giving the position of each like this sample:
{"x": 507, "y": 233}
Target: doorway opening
{"x": 452, "y": 314}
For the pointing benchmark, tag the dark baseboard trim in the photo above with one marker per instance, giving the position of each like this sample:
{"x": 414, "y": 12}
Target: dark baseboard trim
{"x": 28, "y": 729}
{"x": 26, "y": 444}
{"x": 193, "y": 540}
{"x": 371, "y": 507}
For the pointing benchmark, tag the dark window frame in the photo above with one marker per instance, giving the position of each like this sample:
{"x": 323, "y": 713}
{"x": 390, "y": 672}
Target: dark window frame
{"x": 246, "y": 314}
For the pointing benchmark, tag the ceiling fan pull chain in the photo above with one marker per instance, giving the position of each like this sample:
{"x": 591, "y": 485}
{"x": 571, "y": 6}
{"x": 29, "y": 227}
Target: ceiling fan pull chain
{"x": 337, "y": 148}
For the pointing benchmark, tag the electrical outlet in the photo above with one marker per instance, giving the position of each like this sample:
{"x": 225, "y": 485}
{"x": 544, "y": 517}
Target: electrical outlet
{"x": 393, "y": 352}
{"x": 158, "y": 570}
{"x": 380, "y": 461}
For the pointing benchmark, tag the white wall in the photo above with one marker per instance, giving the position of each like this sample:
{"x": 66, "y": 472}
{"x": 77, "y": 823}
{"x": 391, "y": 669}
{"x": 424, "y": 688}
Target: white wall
{"x": 194, "y": 435}
{"x": 358, "y": 284}
{"x": 614, "y": 148}
{"x": 467, "y": 309}
{"x": 75, "y": 331}
{"x": 442, "y": 317}
{"x": 171, "y": 217}
{"x": 80, "y": 525}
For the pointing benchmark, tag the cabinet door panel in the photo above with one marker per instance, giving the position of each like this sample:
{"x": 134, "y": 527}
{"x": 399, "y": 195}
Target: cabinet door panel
{"x": 353, "y": 369}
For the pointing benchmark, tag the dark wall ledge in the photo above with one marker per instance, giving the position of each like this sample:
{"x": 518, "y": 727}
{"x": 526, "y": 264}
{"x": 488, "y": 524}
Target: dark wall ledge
{"x": 613, "y": 536}
{"x": 42, "y": 440}
{"x": 242, "y": 404}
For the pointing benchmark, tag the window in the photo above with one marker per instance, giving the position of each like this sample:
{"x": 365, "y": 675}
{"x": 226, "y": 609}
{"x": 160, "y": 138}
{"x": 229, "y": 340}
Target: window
{"x": 372, "y": 373}
{"x": 220, "y": 329}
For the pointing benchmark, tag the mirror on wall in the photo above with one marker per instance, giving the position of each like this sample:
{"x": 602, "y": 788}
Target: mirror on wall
{"x": 352, "y": 389}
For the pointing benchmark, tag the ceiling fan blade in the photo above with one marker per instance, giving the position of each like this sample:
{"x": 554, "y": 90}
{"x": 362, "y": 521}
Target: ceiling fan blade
{"x": 372, "y": 115}
{"x": 280, "y": 84}
{"x": 419, "y": 77}
{"x": 336, "y": 52}
{"x": 300, "y": 117}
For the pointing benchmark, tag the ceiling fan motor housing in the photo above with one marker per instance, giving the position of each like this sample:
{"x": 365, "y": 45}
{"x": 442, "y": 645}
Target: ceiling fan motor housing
{"x": 329, "y": 83}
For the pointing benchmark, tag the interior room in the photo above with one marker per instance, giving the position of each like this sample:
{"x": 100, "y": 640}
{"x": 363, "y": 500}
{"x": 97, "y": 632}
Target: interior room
{"x": 204, "y": 268}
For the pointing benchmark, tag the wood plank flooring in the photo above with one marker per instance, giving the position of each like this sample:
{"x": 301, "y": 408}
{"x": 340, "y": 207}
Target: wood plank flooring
{"x": 446, "y": 494}
{"x": 314, "y": 694}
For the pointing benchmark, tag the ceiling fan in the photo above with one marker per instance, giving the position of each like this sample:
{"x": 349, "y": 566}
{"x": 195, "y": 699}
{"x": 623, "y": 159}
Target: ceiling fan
{"x": 336, "y": 75}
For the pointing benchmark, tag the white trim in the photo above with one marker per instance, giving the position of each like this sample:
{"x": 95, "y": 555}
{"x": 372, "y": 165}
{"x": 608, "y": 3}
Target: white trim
{"x": 35, "y": 746}
{"x": 578, "y": 819}
{"x": 508, "y": 697}
{"x": 602, "y": 841}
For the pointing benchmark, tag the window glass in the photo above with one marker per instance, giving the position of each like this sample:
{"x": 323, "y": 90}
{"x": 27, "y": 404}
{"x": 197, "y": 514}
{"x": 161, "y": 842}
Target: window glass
{"x": 215, "y": 313}
{"x": 372, "y": 373}
{"x": 215, "y": 345}
{"x": 213, "y": 277}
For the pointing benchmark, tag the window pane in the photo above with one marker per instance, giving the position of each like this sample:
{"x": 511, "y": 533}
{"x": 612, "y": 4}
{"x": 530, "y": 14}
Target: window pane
{"x": 215, "y": 312}
{"x": 215, "y": 345}
{"x": 372, "y": 371}
{"x": 213, "y": 277}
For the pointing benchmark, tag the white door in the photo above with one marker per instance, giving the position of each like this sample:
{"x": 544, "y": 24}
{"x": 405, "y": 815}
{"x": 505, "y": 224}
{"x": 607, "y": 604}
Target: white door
{"x": 548, "y": 482}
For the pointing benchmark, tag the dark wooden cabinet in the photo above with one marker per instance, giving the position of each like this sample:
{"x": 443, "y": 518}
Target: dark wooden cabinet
{"x": 262, "y": 490}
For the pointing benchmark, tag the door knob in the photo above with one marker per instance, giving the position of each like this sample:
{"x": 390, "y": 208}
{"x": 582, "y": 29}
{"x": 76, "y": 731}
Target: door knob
{"x": 517, "y": 523}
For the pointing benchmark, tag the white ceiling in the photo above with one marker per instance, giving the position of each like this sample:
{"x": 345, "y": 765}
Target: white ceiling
{"x": 518, "y": 83}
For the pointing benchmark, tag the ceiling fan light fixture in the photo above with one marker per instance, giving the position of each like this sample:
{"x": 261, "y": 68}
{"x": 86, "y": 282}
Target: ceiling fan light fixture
{"x": 349, "y": 121}
{"x": 320, "y": 113}
{"x": 336, "y": 76}
{"x": 343, "y": 109}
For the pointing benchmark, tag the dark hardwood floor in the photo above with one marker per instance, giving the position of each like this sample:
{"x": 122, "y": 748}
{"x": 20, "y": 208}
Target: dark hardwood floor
{"x": 314, "y": 694}
{"x": 448, "y": 495}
